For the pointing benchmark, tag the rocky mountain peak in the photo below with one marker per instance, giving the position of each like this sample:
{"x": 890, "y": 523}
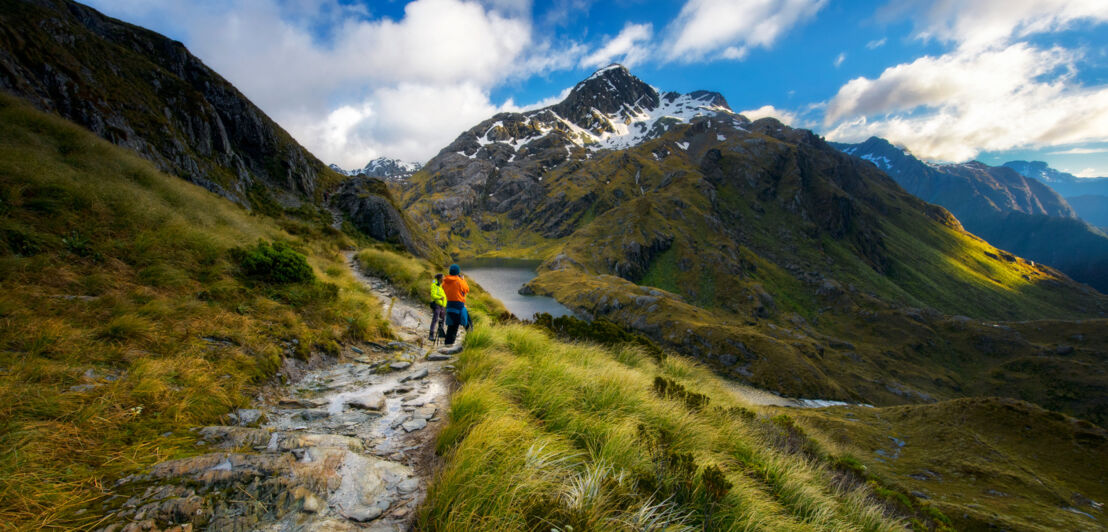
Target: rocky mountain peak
{"x": 612, "y": 90}
{"x": 385, "y": 168}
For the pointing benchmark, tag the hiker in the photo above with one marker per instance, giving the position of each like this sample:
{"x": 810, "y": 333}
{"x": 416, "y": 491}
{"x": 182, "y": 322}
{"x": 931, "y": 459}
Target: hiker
{"x": 456, "y": 289}
{"x": 438, "y": 307}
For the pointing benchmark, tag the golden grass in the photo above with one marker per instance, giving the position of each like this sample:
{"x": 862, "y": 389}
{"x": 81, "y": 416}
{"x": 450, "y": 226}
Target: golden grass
{"x": 549, "y": 435}
{"x": 123, "y": 320}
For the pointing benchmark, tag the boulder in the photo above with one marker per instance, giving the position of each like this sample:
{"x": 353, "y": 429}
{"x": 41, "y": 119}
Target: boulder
{"x": 374, "y": 401}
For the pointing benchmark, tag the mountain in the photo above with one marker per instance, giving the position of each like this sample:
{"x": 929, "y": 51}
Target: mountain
{"x": 1087, "y": 195}
{"x": 143, "y": 91}
{"x": 1010, "y": 211}
{"x": 968, "y": 190}
{"x": 754, "y": 247}
{"x": 383, "y": 168}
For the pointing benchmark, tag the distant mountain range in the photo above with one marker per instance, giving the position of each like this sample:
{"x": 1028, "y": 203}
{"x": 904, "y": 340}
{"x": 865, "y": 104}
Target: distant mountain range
{"x": 997, "y": 203}
{"x": 383, "y": 168}
{"x": 1087, "y": 195}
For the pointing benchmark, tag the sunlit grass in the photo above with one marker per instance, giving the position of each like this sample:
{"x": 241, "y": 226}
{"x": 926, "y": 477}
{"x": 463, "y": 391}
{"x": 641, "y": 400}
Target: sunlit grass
{"x": 549, "y": 435}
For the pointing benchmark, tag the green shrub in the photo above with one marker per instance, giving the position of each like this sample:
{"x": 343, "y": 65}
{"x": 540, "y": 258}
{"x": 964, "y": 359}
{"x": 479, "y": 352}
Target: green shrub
{"x": 273, "y": 262}
{"x": 600, "y": 331}
{"x": 664, "y": 387}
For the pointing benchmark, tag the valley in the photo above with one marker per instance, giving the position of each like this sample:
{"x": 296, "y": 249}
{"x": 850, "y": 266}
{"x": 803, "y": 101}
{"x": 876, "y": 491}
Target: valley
{"x": 685, "y": 319}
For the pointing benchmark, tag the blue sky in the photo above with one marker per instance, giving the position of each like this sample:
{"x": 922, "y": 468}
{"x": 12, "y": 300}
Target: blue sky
{"x": 994, "y": 80}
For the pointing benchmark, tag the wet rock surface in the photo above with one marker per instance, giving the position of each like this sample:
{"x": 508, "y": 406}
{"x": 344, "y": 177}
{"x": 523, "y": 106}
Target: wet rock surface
{"x": 345, "y": 447}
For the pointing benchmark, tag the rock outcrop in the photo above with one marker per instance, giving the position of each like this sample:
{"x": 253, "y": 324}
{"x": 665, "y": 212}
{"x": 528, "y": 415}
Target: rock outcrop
{"x": 141, "y": 90}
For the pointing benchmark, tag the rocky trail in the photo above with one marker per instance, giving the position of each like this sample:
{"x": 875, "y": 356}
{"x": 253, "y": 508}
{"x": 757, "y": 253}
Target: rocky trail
{"x": 346, "y": 445}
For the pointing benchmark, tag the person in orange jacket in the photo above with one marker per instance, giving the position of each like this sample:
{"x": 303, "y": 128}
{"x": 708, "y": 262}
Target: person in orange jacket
{"x": 456, "y": 289}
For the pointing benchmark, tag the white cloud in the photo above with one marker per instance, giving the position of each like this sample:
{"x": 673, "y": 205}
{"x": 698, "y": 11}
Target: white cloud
{"x": 954, "y": 106}
{"x": 367, "y": 86}
{"x": 785, "y": 117}
{"x": 873, "y": 45}
{"x": 1079, "y": 151}
{"x": 1090, "y": 172}
{"x": 711, "y": 29}
{"x": 629, "y": 47}
{"x": 980, "y": 23}
{"x": 839, "y": 60}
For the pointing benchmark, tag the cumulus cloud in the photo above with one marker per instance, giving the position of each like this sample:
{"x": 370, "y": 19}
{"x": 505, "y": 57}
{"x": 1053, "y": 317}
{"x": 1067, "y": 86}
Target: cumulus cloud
{"x": 785, "y": 117}
{"x": 1089, "y": 172}
{"x": 351, "y": 85}
{"x": 628, "y": 47}
{"x": 993, "y": 90}
{"x": 954, "y": 106}
{"x": 712, "y": 29}
{"x": 1079, "y": 151}
{"x": 983, "y": 22}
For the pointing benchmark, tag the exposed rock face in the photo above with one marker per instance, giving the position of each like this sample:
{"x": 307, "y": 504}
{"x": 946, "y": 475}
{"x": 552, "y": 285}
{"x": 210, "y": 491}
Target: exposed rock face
{"x": 369, "y": 205}
{"x": 140, "y": 90}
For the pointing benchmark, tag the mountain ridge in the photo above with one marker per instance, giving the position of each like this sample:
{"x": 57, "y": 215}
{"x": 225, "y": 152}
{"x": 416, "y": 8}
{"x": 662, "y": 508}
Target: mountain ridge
{"x": 1011, "y": 211}
{"x": 386, "y": 168}
{"x": 1087, "y": 195}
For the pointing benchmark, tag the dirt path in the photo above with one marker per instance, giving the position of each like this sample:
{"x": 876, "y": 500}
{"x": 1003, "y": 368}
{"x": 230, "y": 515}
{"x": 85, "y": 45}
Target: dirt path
{"x": 346, "y": 446}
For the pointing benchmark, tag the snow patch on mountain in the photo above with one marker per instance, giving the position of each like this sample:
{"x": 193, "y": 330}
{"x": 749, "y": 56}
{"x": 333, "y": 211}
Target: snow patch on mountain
{"x": 383, "y": 168}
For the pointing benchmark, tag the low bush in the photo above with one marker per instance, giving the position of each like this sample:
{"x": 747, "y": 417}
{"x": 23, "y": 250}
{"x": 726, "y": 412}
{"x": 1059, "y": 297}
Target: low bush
{"x": 273, "y": 262}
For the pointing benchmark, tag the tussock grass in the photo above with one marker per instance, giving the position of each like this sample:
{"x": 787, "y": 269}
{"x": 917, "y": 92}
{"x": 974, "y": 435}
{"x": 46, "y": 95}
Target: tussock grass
{"x": 413, "y": 276}
{"x": 545, "y": 434}
{"x": 125, "y": 318}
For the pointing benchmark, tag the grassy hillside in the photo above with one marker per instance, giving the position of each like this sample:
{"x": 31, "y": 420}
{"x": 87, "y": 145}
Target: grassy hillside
{"x": 546, "y": 433}
{"x": 126, "y": 315}
{"x": 986, "y": 463}
{"x": 549, "y": 435}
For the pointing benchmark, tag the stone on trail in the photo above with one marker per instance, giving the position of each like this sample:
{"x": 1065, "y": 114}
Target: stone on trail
{"x": 422, "y": 373}
{"x": 400, "y": 365}
{"x": 414, "y": 424}
{"x": 451, "y": 350}
{"x": 425, "y": 412}
{"x": 374, "y": 401}
{"x": 438, "y": 357}
{"x": 296, "y": 402}
{"x": 246, "y": 416}
{"x": 312, "y": 414}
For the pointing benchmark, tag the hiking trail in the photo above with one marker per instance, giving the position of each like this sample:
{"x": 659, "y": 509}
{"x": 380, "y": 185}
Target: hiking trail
{"x": 346, "y": 444}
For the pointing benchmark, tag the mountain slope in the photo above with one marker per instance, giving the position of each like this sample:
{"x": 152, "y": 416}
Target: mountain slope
{"x": 1088, "y": 196}
{"x": 753, "y": 246}
{"x": 1010, "y": 211}
{"x": 128, "y": 315}
{"x": 143, "y": 91}
{"x": 968, "y": 190}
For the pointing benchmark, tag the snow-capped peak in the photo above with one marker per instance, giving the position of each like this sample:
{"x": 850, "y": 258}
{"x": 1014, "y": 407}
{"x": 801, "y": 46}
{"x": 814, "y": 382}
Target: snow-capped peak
{"x": 383, "y": 168}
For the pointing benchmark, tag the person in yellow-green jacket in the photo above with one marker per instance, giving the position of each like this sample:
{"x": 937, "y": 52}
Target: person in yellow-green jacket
{"x": 438, "y": 307}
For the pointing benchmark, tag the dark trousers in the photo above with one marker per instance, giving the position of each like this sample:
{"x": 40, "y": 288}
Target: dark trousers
{"x": 456, "y": 316}
{"x": 438, "y": 317}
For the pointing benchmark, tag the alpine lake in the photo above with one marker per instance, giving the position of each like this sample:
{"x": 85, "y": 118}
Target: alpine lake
{"x": 504, "y": 277}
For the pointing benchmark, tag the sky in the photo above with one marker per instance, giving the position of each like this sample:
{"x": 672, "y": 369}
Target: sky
{"x": 950, "y": 80}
